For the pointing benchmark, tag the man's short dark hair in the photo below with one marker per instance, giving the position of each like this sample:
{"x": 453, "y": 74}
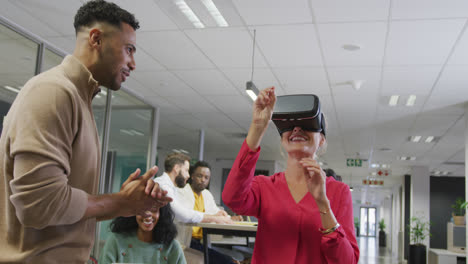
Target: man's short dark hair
{"x": 192, "y": 169}
{"x": 330, "y": 172}
{"x": 102, "y": 11}
{"x": 174, "y": 159}
{"x": 199, "y": 163}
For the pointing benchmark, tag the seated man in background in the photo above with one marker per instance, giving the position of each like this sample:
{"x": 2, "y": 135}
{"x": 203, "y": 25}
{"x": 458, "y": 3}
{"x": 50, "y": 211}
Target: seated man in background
{"x": 176, "y": 174}
{"x": 196, "y": 196}
{"x": 176, "y": 166}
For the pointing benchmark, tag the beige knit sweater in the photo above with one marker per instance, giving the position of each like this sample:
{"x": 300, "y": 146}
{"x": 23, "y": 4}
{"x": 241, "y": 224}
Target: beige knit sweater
{"x": 50, "y": 159}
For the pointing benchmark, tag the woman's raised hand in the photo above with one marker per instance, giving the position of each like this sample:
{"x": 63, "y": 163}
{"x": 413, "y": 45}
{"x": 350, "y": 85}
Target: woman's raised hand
{"x": 261, "y": 115}
{"x": 263, "y": 107}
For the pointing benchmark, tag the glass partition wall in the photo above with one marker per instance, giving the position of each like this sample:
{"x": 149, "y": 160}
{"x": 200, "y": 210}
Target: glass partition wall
{"x": 50, "y": 59}
{"x": 125, "y": 124}
{"x": 130, "y": 134}
{"x": 18, "y": 56}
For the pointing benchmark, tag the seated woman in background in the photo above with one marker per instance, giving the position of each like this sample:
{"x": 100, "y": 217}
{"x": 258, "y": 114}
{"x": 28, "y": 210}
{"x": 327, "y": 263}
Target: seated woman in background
{"x": 303, "y": 216}
{"x": 143, "y": 239}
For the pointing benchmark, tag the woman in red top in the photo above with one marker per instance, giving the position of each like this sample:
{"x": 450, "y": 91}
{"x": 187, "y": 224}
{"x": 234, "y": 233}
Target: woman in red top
{"x": 304, "y": 217}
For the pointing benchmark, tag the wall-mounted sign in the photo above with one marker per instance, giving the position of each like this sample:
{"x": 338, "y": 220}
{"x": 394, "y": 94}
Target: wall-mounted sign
{"x": 383, "y": 172}
{"x": 354, "y": 162}
{"x": 372, "y": 182}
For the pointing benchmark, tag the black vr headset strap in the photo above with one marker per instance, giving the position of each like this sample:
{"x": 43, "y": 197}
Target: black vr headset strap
{"x": 322, "y": 124}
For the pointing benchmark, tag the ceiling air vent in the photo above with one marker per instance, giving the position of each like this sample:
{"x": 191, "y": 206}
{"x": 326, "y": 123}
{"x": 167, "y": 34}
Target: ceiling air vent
{"x": 385, "y": 149}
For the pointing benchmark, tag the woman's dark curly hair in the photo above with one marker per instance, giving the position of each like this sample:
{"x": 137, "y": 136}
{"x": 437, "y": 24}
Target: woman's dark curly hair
{"x": 102, "y": 11}
{"x": 164, "y": 232}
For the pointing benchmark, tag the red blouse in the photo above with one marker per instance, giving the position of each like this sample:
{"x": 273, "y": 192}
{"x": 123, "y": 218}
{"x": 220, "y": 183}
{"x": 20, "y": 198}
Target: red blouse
{"x": 288, "y": 232}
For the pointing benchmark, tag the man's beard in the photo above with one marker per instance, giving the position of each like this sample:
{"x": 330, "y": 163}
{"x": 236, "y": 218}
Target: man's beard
{"x": 180, "y": 181}
{"x": 108, "y": 79}
{"x": 197, "y": 187}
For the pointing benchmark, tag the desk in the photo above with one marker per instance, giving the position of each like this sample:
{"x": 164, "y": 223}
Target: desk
{"x": 230, "y": 240}
{"x": 443, "y": 256}
{"x": 224, "y": 229}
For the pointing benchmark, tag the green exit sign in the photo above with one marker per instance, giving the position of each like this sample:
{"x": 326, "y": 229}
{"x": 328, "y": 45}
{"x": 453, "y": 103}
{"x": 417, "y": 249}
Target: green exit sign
{"x": 354, "y": 162}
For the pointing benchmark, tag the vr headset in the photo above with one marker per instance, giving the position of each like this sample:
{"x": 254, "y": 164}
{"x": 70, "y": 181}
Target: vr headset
{"x": 302, "y": 110}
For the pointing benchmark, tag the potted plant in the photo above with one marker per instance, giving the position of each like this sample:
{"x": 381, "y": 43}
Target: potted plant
{"x": 357, "y": 225}
{"x": 418, "y": 231}
{"x": 382, "y": 235}
{"x": 459, "y": 211}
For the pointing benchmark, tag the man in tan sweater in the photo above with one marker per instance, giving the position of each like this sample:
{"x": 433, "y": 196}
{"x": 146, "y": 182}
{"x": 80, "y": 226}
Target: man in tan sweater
{"x": 50, "y": 151}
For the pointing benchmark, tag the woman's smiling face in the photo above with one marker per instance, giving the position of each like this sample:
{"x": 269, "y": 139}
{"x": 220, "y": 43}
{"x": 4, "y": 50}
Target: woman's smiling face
{"x": 299, "y": 140}
{"x": 148, "y": 221}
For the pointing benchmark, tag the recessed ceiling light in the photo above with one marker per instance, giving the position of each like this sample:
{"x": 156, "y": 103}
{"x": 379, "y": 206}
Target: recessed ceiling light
{"x": 351, "y": 47}
{"x": 214, "y": 12}
{"x": 188, "y": 12}
{"x": 429, "y": 139}
{"x": 412, "y": 158}
{"x": 393, "y": 100}
{"x": 445, "y": 173}
{"x": 411, "y": 100}
{"x": 415, "y": 138}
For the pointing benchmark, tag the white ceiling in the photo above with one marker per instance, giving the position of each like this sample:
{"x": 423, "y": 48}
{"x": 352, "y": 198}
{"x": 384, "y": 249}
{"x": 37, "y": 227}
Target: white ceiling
{"x": 197, "y": 76}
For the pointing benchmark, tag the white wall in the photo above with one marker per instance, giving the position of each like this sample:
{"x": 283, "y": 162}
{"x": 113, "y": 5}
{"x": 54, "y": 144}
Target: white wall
{"x": 161, "y": 155}
{"x": 396, "y": 222}
{"x": 280, "y": 166}
{"x": 386, "y": 215}
{"x": 420, "y": 195}
{"x": 356, "y": 210}
{"x": 466, "y": 168}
